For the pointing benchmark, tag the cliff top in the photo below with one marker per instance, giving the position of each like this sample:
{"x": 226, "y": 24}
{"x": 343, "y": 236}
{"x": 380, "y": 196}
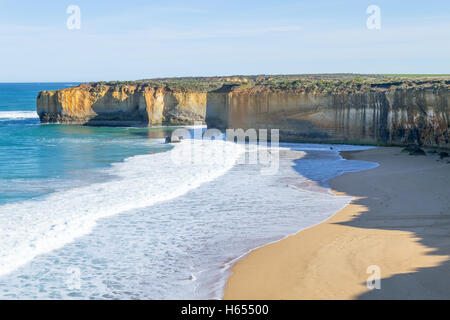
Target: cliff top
{"x": 325, "y": 83}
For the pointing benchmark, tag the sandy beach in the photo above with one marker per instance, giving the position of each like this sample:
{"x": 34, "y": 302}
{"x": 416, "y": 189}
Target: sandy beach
{"x": 398, "y": 221}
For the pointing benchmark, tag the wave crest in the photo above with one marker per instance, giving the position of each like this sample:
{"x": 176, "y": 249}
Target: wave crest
{"x": 34, "y": 227}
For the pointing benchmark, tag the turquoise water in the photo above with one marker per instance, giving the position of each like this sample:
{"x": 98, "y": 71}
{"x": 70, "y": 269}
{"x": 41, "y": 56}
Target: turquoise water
{"x": 37, "y": 159}
{"x": 114, "y": 213}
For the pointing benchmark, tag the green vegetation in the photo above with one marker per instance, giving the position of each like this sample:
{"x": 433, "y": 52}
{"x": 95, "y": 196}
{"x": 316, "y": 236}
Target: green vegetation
{"x": 325, "y": 83}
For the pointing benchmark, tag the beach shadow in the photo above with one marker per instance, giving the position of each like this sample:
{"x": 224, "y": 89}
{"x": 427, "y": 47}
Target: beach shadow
{"x": 433, "y": 233}
{"x": 428, "y": 221}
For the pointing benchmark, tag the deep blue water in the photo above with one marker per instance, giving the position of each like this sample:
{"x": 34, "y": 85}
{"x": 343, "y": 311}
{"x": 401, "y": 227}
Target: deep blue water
{"x": 102, "y": 213}
{"x": 22, "y": 96}
{"x": 38, "y": 159}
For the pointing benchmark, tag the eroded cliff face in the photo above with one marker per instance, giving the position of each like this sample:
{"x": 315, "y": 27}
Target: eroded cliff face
{"x": 121, "y": 105}
{"x": 392, "y": 116}
{"x": 385, "y": 114}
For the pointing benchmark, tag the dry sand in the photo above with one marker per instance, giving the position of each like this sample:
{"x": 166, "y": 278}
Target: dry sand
{"x": 399, "y": 221}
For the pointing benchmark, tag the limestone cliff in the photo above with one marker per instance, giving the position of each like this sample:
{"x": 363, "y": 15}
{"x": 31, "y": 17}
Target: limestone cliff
{"x": 121, "y": 105}
{"x": 392, "y": 116}
{"x": 349, "y": 110}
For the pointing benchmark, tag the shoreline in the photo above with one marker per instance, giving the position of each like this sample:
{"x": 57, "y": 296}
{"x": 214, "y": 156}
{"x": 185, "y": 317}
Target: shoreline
{"x": 229, "y": 266}
{"x": 330, "y": 260}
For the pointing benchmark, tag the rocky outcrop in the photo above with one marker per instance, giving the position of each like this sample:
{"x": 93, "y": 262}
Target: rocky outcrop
{"x": 391, "y": 116}
{"x": 121, "y": 105}
{"x": 390, "y": 113}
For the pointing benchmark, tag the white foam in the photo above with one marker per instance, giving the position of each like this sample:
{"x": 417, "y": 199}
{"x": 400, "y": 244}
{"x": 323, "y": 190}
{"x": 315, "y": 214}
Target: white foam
{"x": 183, "y": 248}
{"x": 17, "y": 115}
{"x": 34, "y": 227}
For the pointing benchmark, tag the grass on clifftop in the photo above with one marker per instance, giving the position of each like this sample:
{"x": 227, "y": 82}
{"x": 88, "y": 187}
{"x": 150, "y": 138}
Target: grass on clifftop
{"x": 327, "y": 83}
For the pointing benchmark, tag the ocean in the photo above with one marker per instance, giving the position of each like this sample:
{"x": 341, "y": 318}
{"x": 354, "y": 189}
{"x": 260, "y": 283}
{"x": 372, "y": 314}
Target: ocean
{"x": 114, "y": 213}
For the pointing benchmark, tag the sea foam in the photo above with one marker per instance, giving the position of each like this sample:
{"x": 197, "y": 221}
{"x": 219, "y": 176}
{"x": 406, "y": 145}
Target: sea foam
{"x": 18, "y": 115}
{"x": 34, "y": 227}
{"x": 184, "y": 248}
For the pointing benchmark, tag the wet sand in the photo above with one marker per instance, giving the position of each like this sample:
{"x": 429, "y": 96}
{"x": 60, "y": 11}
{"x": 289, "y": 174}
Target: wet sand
{"x": 399, "y": 221}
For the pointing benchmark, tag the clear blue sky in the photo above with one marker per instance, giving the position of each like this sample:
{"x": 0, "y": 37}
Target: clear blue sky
{"x": 136, "y": 39}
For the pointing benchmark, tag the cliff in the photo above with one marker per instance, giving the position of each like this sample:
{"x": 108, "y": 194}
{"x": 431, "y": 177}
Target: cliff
{"x": 121, "y": 105}
{"x": 395, "y": 116}
{"x": 312, "y": 108}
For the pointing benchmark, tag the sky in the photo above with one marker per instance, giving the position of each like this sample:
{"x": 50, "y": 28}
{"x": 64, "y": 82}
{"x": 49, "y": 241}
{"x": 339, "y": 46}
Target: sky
{"x": 137, "y": 39}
